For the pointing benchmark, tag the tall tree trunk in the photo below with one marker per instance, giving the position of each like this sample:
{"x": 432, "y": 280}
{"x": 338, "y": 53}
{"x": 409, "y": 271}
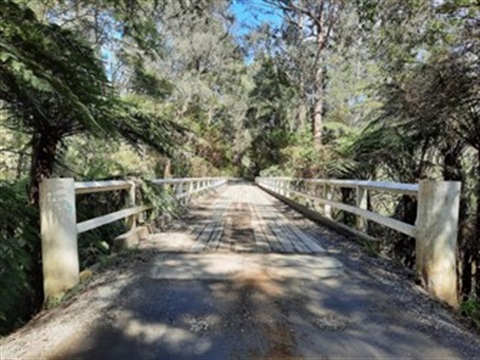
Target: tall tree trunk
{"x": 318, "y": 106}
{"x": 167, "y": 173}
{"x": 476, "y": 241}
{"x": 453, "y": 171}
{"x": 44, "y": 149}
{"x": 43, "y": 160}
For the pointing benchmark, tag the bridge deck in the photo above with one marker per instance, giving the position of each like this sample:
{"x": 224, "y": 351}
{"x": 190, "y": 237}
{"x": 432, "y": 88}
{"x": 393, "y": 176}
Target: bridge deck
{"x": 243, "y": 218}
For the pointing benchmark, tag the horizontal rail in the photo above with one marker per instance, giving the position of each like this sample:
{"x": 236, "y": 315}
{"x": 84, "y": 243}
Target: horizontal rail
{"x": 282, "y": 186}
{"x": 88, "y": 187}
{"x": 182, "y": 180}
{"x": 205, "y": 184}
{"x": 402, "y": 188}
{"x": 109, "y": 218}
{"x": 397, "y": 225}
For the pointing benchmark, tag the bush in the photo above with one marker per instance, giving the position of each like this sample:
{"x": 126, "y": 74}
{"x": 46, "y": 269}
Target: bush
{"x": 471, "y": 309}
{"x": 18, "y": 235}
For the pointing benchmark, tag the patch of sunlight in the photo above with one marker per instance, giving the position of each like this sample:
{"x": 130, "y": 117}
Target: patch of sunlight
{"x": 175, "y": 339}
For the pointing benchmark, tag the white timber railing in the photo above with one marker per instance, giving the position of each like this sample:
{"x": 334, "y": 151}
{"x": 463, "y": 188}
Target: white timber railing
{"x": 59, "y": 227}
{"x": 434, "y": 231}
{"x": 187, "y": 187}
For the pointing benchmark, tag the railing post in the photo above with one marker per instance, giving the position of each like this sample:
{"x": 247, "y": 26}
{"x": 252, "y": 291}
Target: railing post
{"x": 179, "y": 190}
{"x": 131, "y": 221}
{"x": 288, "y": 185}
{"x": 436, "y": 238}
{"x": 58, "y": 225}
{"x": 191, "y": 188}
{"x": 362, "y": 203}
{"x": 281, "y": 185}
{"x": 327, "y": 194}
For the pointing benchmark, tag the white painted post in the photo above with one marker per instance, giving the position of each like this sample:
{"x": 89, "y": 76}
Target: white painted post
{"x": 281, "y": 187}
{"x": 191, "y": 188}
{"x": 288, "y": 194}
{"x": 362, "y": 203}
{"x": 327, "y": 194}
{"x": 179, "y": 190}
{"x": 131, "y": 221}
{"x": 58, "y": 226}
{"x": 436, "y": 238}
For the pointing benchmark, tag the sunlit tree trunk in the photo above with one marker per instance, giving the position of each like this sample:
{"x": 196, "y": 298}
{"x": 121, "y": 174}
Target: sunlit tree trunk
{"x": 167, "y": 173}
{"x": 318, "y": 108}
{"x": 476, "y": 241}
{"x": 319, "y": 80}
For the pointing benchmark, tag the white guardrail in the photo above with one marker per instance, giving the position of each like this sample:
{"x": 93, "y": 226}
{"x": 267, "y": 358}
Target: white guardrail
{"x": 59, "y": 227}
{"x": 435, "y": 229}
{"x": 194, "y": 187}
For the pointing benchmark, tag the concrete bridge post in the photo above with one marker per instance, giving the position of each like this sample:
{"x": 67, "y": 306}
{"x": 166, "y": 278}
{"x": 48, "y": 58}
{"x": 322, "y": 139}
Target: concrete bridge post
{"x": 58, "y": 226}
{"x": 179, "y": 191}
{"x": 436, "y": 229}
{"x": 327, "y": 195}
{"x": 191, "y": 188}
{"x": 288, "y": 185}
{"x": 282, "y": 185}
{"x": 362, "y": 203}
{"x": 131, "y": 221}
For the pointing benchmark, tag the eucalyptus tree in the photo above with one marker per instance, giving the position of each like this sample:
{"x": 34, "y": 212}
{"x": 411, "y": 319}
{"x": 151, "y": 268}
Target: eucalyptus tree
{"x": 205, "y": 64}
{"x": 268, "y": 117}
{"x": 315, "y": 22}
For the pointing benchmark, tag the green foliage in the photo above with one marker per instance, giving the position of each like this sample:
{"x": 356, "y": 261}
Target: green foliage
{"x": 161, "y": 199}
{"x": 370, "y": 247}
{"x": 97, "y": 243}
{"x": 471, "y": 309}
{"x": 41, "y": 63}
{"x": 17, "y": 235}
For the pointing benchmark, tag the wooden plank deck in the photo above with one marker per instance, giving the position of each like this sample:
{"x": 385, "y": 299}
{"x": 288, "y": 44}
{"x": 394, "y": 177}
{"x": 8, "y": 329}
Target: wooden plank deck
{"x": 241, "y": 219}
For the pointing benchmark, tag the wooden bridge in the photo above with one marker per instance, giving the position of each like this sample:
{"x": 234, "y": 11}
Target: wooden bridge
{"x": 243, "y": 219}
{"x": 242, "y": 275}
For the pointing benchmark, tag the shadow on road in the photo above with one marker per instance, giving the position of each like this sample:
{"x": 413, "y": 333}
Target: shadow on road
{"x": 252, "y": 314}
